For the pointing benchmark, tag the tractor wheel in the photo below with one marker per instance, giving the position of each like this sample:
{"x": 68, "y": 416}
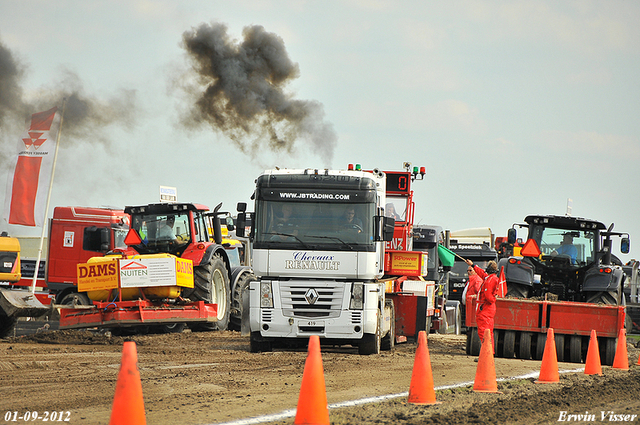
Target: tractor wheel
{"x": 516, "y": 290}
{"x": 370, "y": 343}
{"x": 606, "y": 298}
{"x": 239, "y": 290}
{"x": 75, "y": 298}
{"x": 389, "y": 340}
{"x": 7, "y": 325}
{"x": 211, "y": 285}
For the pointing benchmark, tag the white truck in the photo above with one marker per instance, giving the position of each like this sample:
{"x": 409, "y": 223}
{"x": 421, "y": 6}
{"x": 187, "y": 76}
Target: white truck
{"x": 318, "y": 246}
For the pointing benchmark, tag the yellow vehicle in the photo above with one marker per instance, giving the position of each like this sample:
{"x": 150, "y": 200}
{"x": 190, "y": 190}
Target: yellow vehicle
{"x": 9, "y": 259}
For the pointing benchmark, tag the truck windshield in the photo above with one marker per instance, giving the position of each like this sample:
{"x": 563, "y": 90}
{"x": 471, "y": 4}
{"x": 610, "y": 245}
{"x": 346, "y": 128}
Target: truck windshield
{"x": 577, "y": 246}
{"x": 314, "y": 225}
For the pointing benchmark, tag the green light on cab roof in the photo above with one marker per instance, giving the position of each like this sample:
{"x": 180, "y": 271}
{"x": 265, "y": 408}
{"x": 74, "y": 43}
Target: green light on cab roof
{"x": 358, "y": 167}
{"x": 415, "y": 170}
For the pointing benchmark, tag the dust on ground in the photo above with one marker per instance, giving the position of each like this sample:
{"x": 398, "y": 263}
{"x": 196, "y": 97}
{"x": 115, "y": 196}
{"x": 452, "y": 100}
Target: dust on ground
{"x": 212, "y": 377}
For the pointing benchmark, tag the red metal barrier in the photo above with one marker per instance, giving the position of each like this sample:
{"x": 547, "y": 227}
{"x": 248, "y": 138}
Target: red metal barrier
{"x": 564, "y": 317}
{"x": 138, "y": 312}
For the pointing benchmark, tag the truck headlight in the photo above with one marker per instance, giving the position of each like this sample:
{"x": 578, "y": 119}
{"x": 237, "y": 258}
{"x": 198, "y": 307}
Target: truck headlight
{"x": 357, "y": 296}
{"x": 266, "y": 295}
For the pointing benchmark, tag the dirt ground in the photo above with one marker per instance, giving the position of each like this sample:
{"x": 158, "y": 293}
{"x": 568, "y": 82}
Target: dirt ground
{"x": 208, "y": 378}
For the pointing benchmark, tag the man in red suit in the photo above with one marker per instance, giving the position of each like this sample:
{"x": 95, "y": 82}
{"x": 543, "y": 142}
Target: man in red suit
{"x": 486, "y": 304}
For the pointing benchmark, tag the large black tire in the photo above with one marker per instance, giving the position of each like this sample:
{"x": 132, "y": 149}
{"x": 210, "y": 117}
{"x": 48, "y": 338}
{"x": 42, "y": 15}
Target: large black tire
{"x": 474, "y": 344}
{"x": 170, "y": 328}
{"x": 7, "y": 325}
{"x": 559, "y": 340}
{"x": 605, "y": 297}
{"x": 607, "y": 348}
{"x": 517, "y": 290}
{"x": 370, "y": 343}
{"x": 509, "y": 347}
{"x": 524, "y": 346}
{"x": 540, "y": 340}
{"x": 575, "y": 349}
{"x": 257, "y": 344}
{"x": 211, "y": 285}
{"x": 239, "y": 290}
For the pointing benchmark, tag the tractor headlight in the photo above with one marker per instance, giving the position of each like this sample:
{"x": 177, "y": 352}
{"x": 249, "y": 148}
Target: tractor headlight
{"x": 357, "y": 296}
{"x": 266, "y": 295}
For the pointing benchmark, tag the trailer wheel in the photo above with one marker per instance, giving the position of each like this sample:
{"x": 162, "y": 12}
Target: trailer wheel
{"x": 239, "y": 289}
{"x": 75, "y": 298}
{"x": 509, "y": 345}
{"x": 257, "y": 344}
{"x": 524, "y": 347}
{"x": 370, "y": 343}
{"x": 475, "y": 343}
{"x": 7, "y": 324}
{"x": 559, "y": 340}
{"x": 171, "y": 328}
{"x": 211, "y": 285}
{"x": 467, "y": 346}
{"x": 538, "y": 351}
{"x": 389, "y": 340}
{"x": 575, "y": 349}
{"x": 608, "y": 351}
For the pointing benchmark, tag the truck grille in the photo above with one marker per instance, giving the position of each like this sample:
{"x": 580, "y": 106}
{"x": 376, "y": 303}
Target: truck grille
{"x": 322, "y": 300}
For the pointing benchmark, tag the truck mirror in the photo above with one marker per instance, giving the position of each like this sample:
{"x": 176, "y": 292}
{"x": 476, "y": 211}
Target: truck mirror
{"x": 511, "y": 235}
{"x": 241, "y": 207}
{"x": 388, "y": 228}
{"x": 105, "y": 239}
{"x": 624, "y": 245}
{"x": 230, "y": 224}
{"x": 241, "y": 222}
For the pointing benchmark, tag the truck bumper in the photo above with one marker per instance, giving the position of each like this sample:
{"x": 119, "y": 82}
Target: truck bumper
{"x": 343, "y": 323}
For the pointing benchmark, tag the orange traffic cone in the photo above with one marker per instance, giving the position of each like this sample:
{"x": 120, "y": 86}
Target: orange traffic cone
{"x": 128, "y": 406}
{"x": 485, "y": 381}
{"x": 621, "y": 360}
{"x": 312, "y": 403}
{"x": 549, "y": 368}
{"x": 592, "y": 365}
{"x": 421, "y": 390}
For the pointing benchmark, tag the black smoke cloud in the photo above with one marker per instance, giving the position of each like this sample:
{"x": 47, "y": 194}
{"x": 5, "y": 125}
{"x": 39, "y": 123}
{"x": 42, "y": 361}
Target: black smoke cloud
{"x": 85, "y": 115}
{"x": 240, "y": 91}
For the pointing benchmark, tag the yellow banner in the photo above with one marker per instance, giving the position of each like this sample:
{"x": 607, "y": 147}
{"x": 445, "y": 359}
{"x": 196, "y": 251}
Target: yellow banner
{"x": 97, "y": 276}
{"x": 184, "y": 272}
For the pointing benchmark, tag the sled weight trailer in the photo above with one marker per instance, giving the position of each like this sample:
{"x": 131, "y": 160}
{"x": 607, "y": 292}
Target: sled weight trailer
{"x": 175, "y": 270}
{"x": 520, "y": 328}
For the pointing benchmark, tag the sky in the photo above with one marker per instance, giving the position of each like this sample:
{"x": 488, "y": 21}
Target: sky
{"x": 513, "y": 107}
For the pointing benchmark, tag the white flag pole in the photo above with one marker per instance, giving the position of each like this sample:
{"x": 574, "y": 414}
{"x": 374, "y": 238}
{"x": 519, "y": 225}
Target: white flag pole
{"x": 46, "y": 209}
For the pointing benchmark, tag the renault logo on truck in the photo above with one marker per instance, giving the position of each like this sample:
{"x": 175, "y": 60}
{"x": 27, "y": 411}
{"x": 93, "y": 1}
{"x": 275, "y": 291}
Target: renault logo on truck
{"x": 311, "y": 296}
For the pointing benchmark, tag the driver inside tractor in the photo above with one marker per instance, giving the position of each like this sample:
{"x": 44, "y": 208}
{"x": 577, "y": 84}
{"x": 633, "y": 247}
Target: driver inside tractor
{"x": 567, "y": 247}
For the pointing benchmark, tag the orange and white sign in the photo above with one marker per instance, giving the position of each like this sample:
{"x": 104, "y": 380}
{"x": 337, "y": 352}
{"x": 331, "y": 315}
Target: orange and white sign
{"x": 97, "y": 276}
{"x": 149, "y": 272}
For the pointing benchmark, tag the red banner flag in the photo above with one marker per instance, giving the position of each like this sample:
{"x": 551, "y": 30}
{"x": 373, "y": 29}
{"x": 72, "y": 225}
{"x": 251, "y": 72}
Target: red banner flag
{"x": 502, "y": 285}
{"x": 27, "y": 191}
